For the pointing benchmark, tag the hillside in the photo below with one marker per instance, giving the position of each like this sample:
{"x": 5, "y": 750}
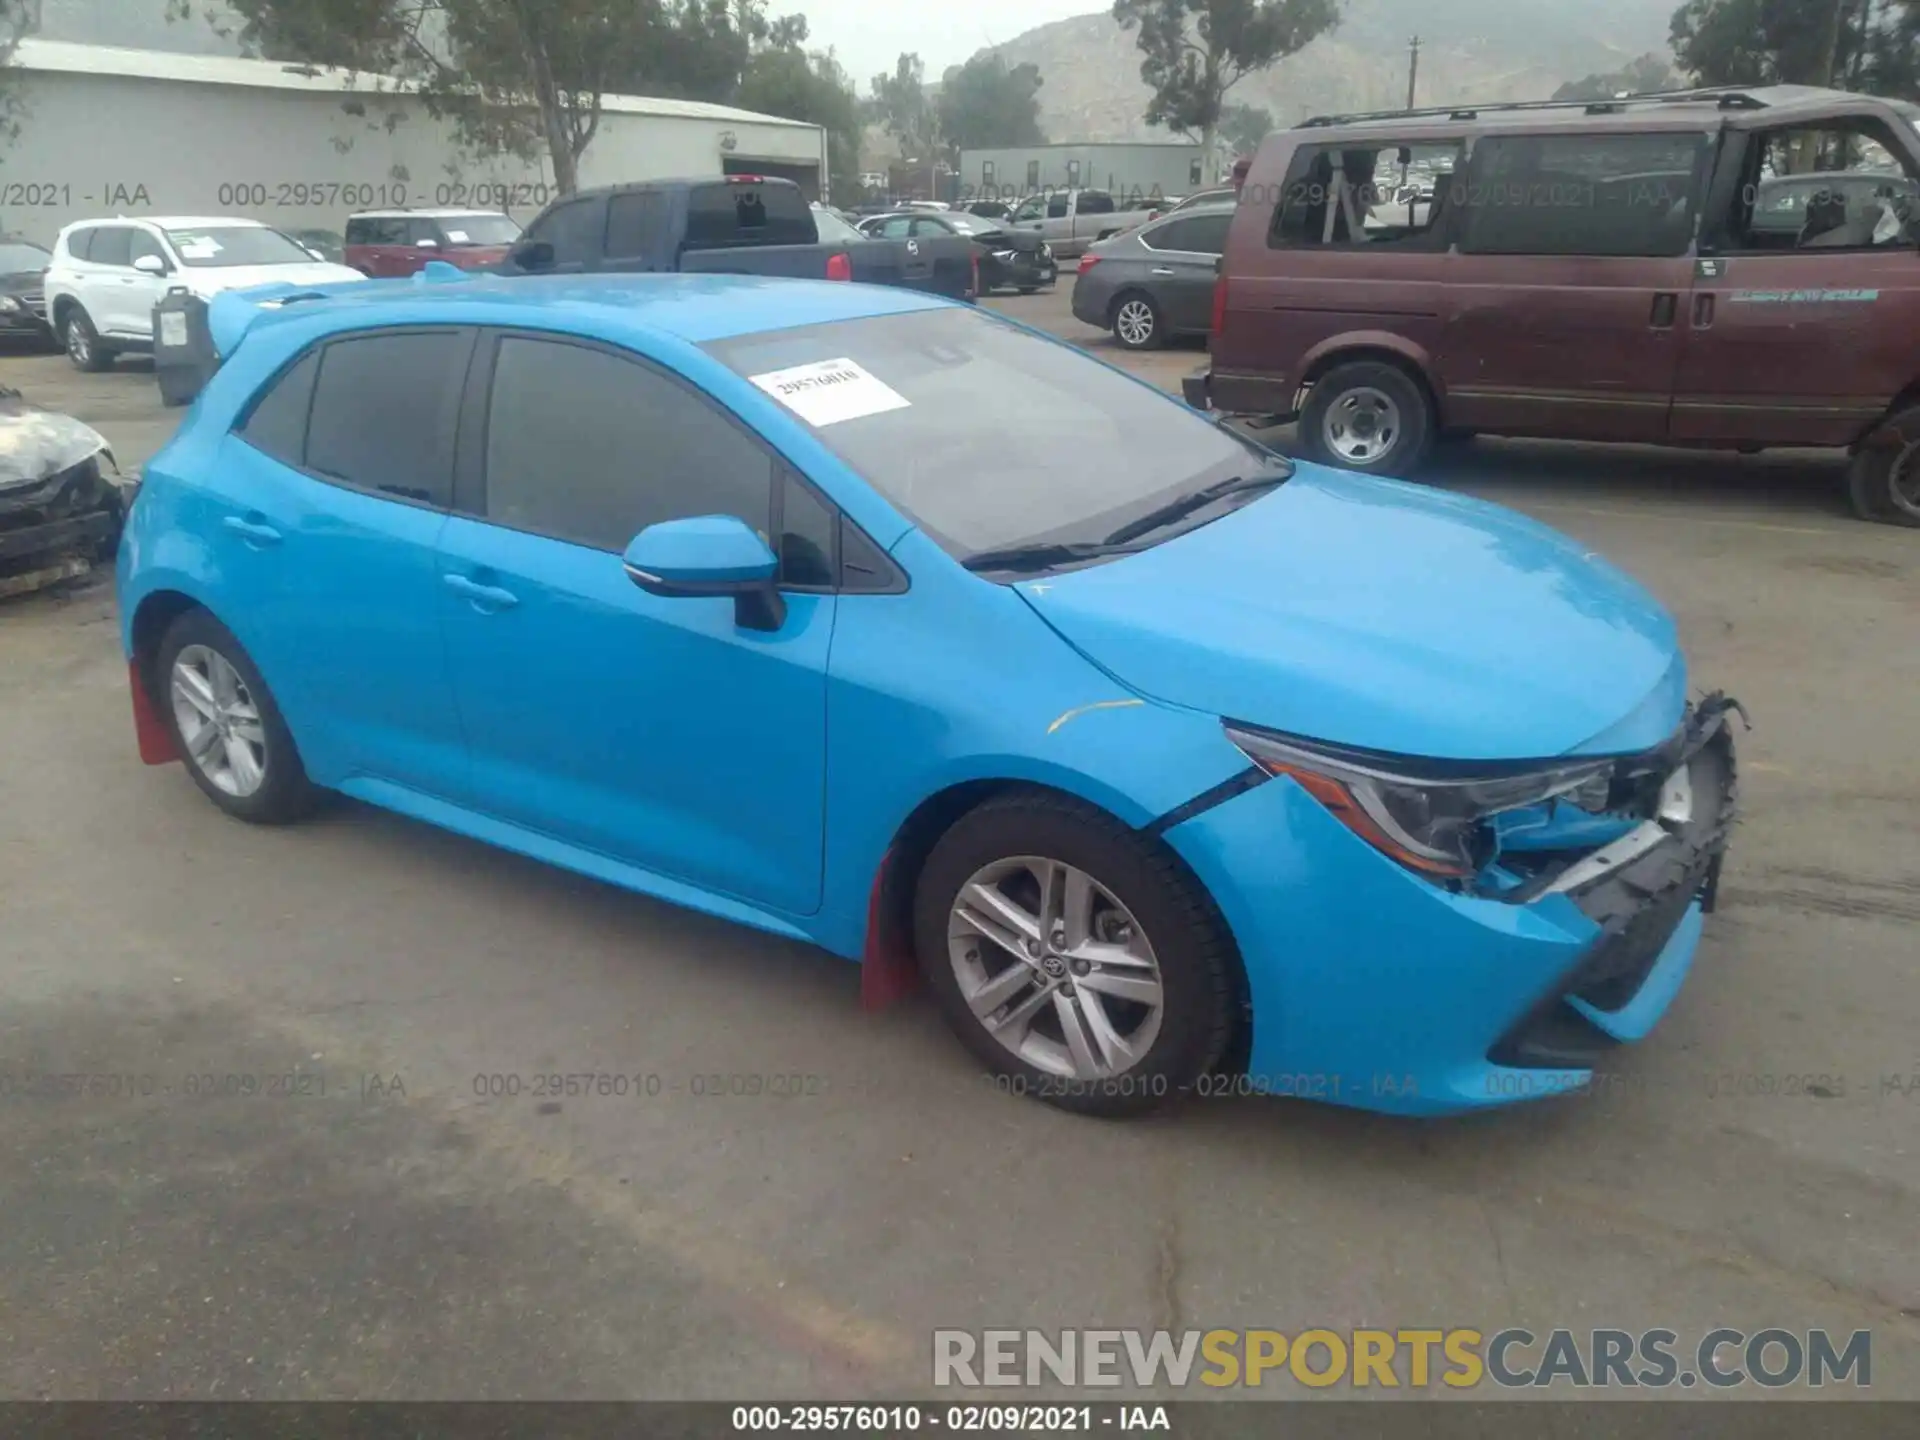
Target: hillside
{"x": 1469, "y": 50}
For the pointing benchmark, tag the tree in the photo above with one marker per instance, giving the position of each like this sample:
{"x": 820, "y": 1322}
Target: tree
{"x": 986, "y": 102}
{"x": 1243, "y": 127}
{"x": 1889, "y": 57}
{"x": 1765, "y": 42}
{"x": 782, "y": 78}
{"x": 1638, "y": 77}
{"x": 1198, "y": 50}
{"x": 901, "y": 106}
{"x": 520, "y": 77}
{"x": 18, "y": 19}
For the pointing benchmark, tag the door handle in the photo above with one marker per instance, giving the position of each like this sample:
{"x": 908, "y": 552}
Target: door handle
{"x": 485, "y": 598}
{"x": 1665, "y": 304}
{"x": 1160, "y": 270}
{"x": 1703, "y": 311}
{"x": 252, "y": 531}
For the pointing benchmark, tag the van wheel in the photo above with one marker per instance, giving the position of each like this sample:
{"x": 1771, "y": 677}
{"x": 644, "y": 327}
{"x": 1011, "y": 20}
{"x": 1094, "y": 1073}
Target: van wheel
{"x": 1137, "y": 323}
{"x": 1884, "y": 480}
{"x": 1368, "y": 416}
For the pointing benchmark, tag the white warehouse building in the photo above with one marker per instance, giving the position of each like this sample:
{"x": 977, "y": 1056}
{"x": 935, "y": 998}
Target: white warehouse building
{"x": 106, "y": 131}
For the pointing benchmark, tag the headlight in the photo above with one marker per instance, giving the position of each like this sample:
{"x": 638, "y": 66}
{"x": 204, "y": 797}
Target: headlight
{"x": 10, "y": 303}
{"x": 1007, "y": 256}
{"x": 1427, "y": 814}
{"x": 1046, "y": 252}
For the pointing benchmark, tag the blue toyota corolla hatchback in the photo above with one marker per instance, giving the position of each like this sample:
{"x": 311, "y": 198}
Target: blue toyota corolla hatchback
{"x": 1171, "y": 764}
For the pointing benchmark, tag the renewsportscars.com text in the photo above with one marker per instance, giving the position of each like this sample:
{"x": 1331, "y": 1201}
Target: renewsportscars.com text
{"x": 1460, "y": 1358}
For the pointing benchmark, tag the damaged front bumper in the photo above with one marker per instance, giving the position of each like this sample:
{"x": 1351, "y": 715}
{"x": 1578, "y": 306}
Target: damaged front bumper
{"x": 60, "y": 512}
{"x": 1371, "y": 986}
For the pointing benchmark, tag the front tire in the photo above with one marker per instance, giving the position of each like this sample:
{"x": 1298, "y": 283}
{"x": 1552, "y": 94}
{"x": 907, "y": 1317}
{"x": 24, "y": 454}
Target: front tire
{"x": 1883, "y": 482}
{"x": 1137, "y": 322}
{"x": 88, "y": 352}
{"x": 226, "y": 725}
{"x": 1078, "y": 961}
{"x": 1368, "y": 416}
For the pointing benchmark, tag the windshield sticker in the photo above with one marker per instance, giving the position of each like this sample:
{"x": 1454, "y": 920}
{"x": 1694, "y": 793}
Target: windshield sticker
{"x": 830, "y": 391}
{"x": 197, "y": 247}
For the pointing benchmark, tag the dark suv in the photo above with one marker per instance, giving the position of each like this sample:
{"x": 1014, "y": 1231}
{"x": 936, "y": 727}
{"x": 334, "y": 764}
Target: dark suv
{"x": 1730, "y": 268}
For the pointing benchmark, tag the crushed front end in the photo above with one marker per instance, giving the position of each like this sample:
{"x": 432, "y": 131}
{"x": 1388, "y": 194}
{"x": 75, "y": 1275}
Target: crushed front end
{"x": 1400, "y": 962}
{"x": 60, "y": 512}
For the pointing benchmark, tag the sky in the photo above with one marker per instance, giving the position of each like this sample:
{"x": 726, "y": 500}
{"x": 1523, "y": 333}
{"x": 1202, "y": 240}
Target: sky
{"x": 869, "y": 35}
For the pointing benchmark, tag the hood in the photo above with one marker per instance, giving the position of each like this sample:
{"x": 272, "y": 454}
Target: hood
{"x": 1385, "y": 616}
{"x": 213, "y": 279}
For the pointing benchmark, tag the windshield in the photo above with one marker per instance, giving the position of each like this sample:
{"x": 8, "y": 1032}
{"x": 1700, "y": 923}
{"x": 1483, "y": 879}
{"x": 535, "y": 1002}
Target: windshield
{"x": 970, "y": 224}
{"x": 224, "y": 245}
{"x": 18, "y": 257}
{"x": 986, "y": 435}
{"x": 833, "y": 230}
{"x": 480, "y": 230}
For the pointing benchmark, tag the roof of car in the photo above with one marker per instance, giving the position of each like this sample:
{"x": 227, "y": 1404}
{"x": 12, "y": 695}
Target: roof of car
{"x": 453, "y": 214}
{"x": 170, "y": 222}
{"x": 1768, "y": 105}
{"x": 694, "y": 308}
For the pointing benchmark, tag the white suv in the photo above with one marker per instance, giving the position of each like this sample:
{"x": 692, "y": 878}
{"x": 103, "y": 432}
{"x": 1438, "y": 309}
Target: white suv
{"x": 107, "y": 275}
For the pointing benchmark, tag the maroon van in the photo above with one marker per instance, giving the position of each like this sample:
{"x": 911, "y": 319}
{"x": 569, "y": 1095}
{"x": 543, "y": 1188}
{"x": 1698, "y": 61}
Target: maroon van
{"x": 384, "y": 243}
{"x": 1727, "y": 268}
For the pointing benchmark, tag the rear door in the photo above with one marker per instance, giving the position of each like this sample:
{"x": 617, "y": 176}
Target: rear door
{"x": 1185, "y": 256}
{"x": 324, "y": 509}
{"x": 107, "y": 284}
{"x": 1568, "y": 294}
{"x": 1804, "y": 312}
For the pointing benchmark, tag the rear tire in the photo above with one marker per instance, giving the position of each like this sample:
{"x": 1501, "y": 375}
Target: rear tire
{"x": 1883, "y": 482}
{"x": 1137, "y": 322}
{"x": 88, "y": 352}
{"x": 1129, "y": 901}
{"x": 225, "y": 723}
{"x": 1370, "y": 417}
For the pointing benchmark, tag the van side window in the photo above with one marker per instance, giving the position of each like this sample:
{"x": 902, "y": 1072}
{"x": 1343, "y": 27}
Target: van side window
{"x": 1834, "y": 186}
{"x": 1384, "y": 192}
{"x": 1616, "y": 193}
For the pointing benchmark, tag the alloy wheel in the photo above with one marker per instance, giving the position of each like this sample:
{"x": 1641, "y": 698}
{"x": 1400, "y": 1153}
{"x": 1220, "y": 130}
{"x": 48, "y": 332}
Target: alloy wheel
{"x": 219, "y": 721}
{"x": 79, "y": 348}
{"x": 1134, "y": 321}
{"x": 1361, "y": 425}
{"x": 1055, "y": 968}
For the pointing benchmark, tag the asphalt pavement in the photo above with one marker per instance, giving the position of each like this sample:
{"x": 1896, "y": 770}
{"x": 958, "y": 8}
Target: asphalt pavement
{"x": 312, "y": 1153}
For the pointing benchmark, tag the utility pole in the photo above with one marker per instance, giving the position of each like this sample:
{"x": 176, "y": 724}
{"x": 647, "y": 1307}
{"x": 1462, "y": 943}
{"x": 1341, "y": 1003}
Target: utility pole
{"x": 1413, "y": 69}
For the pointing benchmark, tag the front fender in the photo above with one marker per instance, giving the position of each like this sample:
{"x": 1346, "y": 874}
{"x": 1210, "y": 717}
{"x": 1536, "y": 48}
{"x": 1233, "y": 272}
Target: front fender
{"x": 1004, "y": 700}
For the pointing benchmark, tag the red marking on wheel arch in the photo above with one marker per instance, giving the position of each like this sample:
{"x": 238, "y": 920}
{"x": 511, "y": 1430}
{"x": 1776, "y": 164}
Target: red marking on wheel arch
{"x": 155, "y": 738}
{"x": 887, "y": 971}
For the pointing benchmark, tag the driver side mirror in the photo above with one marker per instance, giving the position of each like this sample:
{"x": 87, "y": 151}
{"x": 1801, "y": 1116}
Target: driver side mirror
{"x": 533, "y": 255}
{"x": 151, "y": 265}
{"x": 710, "y": 555}
{"x": 426, "y": 243}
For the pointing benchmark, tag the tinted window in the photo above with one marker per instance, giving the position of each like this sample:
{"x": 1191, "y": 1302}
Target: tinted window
{"x": 1201, "y": 234}
{"x": 419, "y": 230}
{"x": 806, "y": 537}
{"x": 278, "y": 423}
{"x": 593, "y": 448}
{"x": 1095, "y": 202}
{"x": 141, "y": 243}
{"x": 573, "y": 230}
{"x": 748, "y": 214}
{"x": 1109, "y": 449}
{"x": 1603, "y": 194}
{"x": 1385, "y": 192}
{"x": 112, "y": 245}
{"x": 635, "y": 222}
{"x": 384, "y": 410}
{"x": 1057, "y": 207}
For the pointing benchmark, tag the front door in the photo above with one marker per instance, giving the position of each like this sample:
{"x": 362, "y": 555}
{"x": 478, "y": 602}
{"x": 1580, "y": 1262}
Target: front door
{"x": 326, "y": 504}
{"x": 1804, "y": 314}
{"x": 143, "y": 289}
{"x": 1568, "y": 295}
{"x": 655, "y": 731}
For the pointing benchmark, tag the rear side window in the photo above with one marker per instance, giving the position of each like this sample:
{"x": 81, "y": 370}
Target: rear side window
{"x": 80, "y": 242}
{"x": 377, "y": 230}
{"x": 1057, "y": 207}
{"x": 635, "y": 221}
{"x": 384, "y": 412}
{"x": 112, "y": 245}
{"x": 1382, "y": 192}
{"x": 746, "y": 214}
{"x": 277, "y": 425}
{"x": 1198, "y": 234}
{"x": 592, "y": 448}
{"x": 1599, "y": 194}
